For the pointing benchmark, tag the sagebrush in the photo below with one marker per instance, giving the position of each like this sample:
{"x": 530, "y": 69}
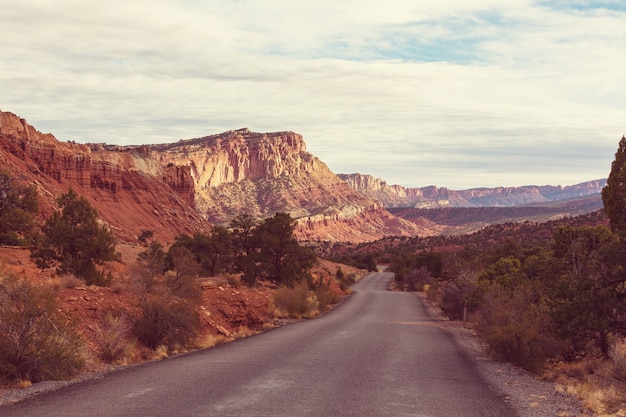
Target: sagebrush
{"x": 37, "y": 343}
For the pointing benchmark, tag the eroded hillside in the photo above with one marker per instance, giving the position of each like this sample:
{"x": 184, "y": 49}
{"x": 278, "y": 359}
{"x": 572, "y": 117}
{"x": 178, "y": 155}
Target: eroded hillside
{"x": 186, "y": 186}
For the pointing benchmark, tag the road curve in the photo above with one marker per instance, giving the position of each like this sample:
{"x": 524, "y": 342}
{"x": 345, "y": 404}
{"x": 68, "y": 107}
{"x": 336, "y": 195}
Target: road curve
{"x": 378, "y": 354}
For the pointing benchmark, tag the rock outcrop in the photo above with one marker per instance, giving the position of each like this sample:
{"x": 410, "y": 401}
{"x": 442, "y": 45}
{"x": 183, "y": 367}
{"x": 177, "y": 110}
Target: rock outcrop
{"x": 131, "y": 191}
{"x": 437, "y": 197}
{"x": 264, "y": 173}
{"x": 188, "y": 185}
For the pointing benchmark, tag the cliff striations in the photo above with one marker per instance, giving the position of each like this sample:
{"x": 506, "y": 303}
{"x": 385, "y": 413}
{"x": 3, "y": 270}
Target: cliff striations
{"x": 188, "y": 185}
{"x": 131, "y": 191}
{"x": 264, "y": 173}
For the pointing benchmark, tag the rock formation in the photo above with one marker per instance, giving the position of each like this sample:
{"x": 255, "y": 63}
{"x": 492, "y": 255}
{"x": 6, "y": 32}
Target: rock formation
{"x": 437, "y": 197}
{"x": 264, "y": 173}
{"x": 175, "y": 188}
{"x": 131, "y": 191}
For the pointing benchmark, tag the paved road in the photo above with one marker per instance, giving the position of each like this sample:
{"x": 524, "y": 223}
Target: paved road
{"x": 379, "y": 354}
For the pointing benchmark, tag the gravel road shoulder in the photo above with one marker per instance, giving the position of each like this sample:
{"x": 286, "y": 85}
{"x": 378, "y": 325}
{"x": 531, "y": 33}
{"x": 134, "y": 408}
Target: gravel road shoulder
{"x": 528, "y": 395}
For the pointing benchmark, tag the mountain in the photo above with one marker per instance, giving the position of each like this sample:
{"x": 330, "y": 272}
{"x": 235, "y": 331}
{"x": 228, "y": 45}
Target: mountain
{"x": 130, "y": 190}
{"x": 185, "y": 186}
{"x": 463, "y": 220}
{"x": 437, "y": 197}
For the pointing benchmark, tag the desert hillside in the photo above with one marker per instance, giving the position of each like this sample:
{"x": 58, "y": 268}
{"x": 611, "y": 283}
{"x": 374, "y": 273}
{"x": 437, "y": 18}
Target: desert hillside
{"x": 188, "y": 185}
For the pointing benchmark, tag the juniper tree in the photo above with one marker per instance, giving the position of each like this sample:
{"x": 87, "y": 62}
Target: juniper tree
{"x": 74, "y": 241}
{"x": 614, "y": 193}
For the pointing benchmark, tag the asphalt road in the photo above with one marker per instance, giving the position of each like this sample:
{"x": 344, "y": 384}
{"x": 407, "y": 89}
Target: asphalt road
{"x": 378, "y": 354}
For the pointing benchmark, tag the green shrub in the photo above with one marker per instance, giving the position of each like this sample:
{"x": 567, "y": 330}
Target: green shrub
{"x": 74, "y": 241}
{"x": 296, "y": 302}
{"x": 36, "y": 341}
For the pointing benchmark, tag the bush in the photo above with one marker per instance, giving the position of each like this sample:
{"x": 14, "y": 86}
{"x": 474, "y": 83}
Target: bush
{"x": 416, "y": 279}
{"x": 452, "y": 301}
{"x": 166, "y": 320}
{"x": 345, "y": 281}
{"x": 114, "y": 345}
{"x": 516, "y": 328}
{"x": 233, "y": 280}
{"x": 36, "y": 342}
{"x": 325, "y": 297}
{"x": 297, "y": 302}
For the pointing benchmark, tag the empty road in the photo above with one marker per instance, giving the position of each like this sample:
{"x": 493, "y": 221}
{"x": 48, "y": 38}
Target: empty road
{"x": 378, "y": 354}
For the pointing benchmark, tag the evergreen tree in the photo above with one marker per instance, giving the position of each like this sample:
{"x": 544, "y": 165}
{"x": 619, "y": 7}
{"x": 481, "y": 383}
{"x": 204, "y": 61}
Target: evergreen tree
{"x": 614, "y": 193}
{"x": 18, "y": 206}
{"x": 75, "y": 242}
{"x": 282, "y": 259}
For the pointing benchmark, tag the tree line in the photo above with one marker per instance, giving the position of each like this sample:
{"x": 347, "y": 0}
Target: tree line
{"x": 73, "y": 240}
{"x": 536, "y": 301}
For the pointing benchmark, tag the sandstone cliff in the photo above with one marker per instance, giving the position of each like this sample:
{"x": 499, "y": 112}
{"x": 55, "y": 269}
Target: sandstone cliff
{"x": 264, "y": 173}
{"x": 131, "y": 191}
{"x": 175, "y": 188}
{"x": 437, "y": 197}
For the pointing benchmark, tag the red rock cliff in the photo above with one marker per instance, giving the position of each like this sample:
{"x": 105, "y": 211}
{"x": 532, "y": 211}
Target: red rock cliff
{"x": 130, "y": 190}
{"x": 174, "y": 188}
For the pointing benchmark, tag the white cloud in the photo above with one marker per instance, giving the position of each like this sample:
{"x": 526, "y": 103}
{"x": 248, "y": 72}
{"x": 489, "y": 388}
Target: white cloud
{"x": 452, "y": 93}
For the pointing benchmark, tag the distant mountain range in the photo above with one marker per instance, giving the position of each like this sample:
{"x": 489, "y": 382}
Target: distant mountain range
{"x": 447, "y": 211}
{"x": 190, "y": 185}
{"x": 437, "y": 197}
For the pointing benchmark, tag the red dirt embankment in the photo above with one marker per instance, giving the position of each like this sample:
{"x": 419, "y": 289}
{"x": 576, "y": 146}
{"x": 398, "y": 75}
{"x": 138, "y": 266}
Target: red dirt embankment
{"x": 227, "y": 310}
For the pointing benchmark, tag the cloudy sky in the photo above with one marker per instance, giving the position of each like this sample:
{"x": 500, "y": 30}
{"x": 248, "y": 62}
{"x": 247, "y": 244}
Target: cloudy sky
{"x": 454, "y": 93}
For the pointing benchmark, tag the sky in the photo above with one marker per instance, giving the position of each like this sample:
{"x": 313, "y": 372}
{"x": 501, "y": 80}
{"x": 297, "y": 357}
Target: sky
{"x": 454, "y": 93}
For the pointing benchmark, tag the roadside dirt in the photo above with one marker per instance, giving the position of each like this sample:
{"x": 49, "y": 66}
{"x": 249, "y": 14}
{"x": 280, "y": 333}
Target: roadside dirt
{"x": 228, "y": 310}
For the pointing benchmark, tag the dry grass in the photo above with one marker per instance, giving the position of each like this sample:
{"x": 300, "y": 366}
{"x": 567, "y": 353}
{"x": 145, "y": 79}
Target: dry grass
{"x": 298, "y": 302}
{"x": 160, "y": 352}
{"x": 598, "y": 383}
{"x": 243, "y": 332}
{"x": 65, "y": 281}
{"x": 114, "y": 344}
{"x": 211, "y": 340}
{"x": 233, "y": 280}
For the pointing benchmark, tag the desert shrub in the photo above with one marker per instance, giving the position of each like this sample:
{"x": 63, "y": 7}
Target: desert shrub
{"x": 617, "y": 361}
{"x": 416, "y": 279}
{"x": 296, "y": 302}
{"x": 325, "y": 296}
{"x": 112, "y": 338}
{"x": 434, "y": 291}
{"x": 65, "y": 281}
{"x": 36, "y": 341}
{"x": 516, "y": 328}
{"x": 183, "y": 286}
{"x": 145, "y": 235}
{"x": 233, "y": 280}
{"x": 345, "y": 281}
{"x": 452, "y": 301}
{"x": 18, "y": 206}
{"x": 166, "y": 320}
{"x": 71, "y": 281}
